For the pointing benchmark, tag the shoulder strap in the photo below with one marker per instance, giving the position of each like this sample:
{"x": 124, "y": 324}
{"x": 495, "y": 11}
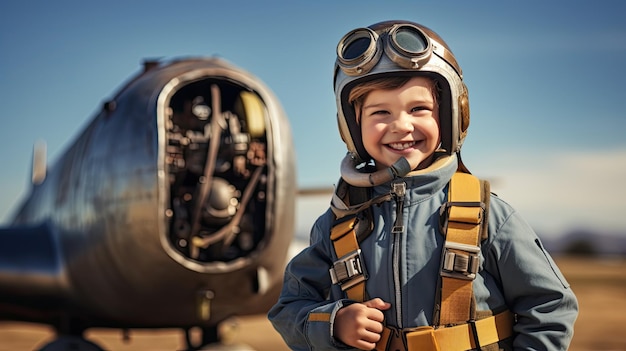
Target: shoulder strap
{"x": 462, "y": 219}
{"x": 349, "y": 270}
{"x": 353, "y": 223}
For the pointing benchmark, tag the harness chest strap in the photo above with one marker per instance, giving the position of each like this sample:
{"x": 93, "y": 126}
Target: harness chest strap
{"x": 457, "y": 338}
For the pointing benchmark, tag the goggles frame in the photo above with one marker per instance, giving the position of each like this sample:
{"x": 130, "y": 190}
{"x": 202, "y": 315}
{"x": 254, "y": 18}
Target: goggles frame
{"x": 396, "y": 52}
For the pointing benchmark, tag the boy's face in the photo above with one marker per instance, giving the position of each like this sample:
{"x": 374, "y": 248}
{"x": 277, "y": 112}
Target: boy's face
{"x": 401, "y": 122}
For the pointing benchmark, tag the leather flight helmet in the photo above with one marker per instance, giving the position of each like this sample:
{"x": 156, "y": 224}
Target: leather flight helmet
{"x": 409, "y": 49}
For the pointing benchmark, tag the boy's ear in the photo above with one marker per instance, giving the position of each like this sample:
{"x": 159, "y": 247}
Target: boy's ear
{"x": 464, "y": 115}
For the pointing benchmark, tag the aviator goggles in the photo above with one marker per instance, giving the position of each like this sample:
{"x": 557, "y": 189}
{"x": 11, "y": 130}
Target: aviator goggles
{"x": 405, "y": 44}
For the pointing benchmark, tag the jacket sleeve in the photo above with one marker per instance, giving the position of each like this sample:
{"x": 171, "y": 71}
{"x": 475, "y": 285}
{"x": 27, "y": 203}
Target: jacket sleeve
{"x": 532, "y": 284}
{"x": 303, "y": 314}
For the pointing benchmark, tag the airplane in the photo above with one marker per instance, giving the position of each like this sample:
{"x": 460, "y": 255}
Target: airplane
{"x": 173, "y": 208}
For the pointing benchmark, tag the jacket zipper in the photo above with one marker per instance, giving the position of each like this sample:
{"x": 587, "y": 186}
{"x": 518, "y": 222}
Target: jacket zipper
{"x": 398, "y": 191}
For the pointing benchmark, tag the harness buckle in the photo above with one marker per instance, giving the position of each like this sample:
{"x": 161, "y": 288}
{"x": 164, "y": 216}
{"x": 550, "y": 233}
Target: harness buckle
{"x": 348, "y": 270}
{"x": 460, "y": 261}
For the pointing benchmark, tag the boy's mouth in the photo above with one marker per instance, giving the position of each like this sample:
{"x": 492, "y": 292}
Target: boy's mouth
{"x": 402, "y": 146}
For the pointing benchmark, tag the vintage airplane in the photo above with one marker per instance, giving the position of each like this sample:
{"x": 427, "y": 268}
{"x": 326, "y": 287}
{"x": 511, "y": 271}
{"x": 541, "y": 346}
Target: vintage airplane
{"x": 174, "y": 208}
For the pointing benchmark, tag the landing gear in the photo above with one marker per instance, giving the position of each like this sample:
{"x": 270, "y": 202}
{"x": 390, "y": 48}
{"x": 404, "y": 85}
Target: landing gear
{"x": 214, "y": 339}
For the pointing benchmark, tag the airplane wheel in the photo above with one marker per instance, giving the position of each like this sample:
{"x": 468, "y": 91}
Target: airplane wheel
{"x": 74, "y": 343}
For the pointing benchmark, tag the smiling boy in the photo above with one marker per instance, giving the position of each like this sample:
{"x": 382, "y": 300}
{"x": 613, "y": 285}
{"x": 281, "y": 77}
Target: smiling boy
{"x": 414, "y": 254}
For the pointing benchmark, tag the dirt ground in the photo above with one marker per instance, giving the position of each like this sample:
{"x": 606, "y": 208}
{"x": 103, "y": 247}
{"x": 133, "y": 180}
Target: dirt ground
{"x": 600, "y": 286}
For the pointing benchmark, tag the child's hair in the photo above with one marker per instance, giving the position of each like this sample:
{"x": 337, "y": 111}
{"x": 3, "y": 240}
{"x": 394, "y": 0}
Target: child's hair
{"x": 359, "y": 92}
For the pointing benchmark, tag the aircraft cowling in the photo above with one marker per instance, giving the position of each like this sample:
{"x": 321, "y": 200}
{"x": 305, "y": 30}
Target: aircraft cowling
{"x": 173, "y": 208}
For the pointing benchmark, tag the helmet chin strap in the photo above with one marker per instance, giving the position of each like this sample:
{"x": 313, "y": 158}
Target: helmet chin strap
{"x": 399, "y": 169}
{"x": 353, "y": 177}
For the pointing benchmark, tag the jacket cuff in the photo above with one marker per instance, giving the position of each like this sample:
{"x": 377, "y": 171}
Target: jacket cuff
{"x": 320, "y": 323}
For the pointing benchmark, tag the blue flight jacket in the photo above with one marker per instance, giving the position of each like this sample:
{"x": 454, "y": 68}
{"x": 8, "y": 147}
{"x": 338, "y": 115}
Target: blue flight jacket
{"x": 515, "y": 272}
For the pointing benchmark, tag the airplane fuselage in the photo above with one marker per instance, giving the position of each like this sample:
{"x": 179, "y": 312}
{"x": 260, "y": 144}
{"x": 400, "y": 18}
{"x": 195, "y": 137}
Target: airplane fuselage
{"x": 173, "y": 208}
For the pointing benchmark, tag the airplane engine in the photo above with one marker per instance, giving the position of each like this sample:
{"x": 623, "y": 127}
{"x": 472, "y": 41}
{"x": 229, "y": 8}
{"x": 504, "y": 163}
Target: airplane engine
{"x": 217, "y": 170}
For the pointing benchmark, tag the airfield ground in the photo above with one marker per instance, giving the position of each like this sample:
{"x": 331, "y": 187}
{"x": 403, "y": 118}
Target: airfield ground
{"x": 599, "y": 284}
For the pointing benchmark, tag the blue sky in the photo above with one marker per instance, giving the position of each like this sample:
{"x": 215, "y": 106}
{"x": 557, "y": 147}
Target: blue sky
{"x": 546, "y": 81}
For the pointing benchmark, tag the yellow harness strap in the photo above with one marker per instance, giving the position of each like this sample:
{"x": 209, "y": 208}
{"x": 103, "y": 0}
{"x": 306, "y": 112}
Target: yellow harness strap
{"x": 460, "y": 256}
{"x": 348, "y": 271}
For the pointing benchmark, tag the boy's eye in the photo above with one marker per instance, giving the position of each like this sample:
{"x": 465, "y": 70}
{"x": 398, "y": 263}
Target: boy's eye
{"x": 419, "y": 108}
{"x": 378, "y": 112}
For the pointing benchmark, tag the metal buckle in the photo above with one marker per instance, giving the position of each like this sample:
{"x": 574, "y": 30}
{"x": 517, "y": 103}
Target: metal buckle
{"x": 460, "y": 265}
{"x": 348, "y": 270}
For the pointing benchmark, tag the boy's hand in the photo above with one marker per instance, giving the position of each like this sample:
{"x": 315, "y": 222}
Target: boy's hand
{"x": 360, "y": 324}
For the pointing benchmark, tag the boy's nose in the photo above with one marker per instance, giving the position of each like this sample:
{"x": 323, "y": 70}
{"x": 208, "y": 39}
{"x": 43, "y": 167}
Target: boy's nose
{"x": 402, "y": 124}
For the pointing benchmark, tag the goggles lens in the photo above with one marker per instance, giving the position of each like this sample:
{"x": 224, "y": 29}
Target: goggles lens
{"x": 359, "y": 51}
{"x": 410, "y": 40}
{"x": 356, "y": 48}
